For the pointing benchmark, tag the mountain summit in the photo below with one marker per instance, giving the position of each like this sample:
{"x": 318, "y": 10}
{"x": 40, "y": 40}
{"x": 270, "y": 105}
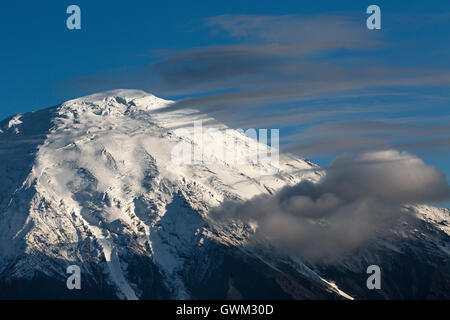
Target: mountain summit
{"x": 92, "y": 183}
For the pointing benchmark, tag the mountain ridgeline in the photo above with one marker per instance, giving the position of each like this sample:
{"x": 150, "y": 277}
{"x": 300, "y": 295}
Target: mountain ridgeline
{"x": 92, "y": 183}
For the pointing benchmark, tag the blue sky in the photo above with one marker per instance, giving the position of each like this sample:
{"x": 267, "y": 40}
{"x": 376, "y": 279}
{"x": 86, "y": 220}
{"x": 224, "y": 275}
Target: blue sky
{"x": 377, "y": 88}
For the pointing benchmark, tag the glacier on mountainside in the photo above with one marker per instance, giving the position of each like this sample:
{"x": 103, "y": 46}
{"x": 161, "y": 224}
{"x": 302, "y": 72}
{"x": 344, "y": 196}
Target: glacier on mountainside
{"x": 91, "y": 183}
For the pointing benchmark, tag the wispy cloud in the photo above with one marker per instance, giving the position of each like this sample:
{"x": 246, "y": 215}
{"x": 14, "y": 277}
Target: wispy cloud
{"x": 272, "y": 60}
{"x": 346, "y": 136}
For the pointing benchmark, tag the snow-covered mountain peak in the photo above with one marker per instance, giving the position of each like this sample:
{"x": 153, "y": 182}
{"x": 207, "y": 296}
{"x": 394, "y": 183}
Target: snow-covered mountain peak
{"x": 125, "y": 94}
{"x": 116, "y": 101}
{"x": 93, "y": 182}
{"x": 99, "y": 173}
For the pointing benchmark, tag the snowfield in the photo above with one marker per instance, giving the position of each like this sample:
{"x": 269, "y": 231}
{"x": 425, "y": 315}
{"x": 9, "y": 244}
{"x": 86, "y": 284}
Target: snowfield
{"x": 92, "y": 183}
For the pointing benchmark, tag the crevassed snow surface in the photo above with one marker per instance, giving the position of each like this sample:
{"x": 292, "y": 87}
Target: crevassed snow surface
{"x": 92, "y": 180}
{"x": 105, "y": 165}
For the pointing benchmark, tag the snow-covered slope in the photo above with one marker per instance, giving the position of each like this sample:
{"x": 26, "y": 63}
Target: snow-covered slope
{"x": 93, "y": 183}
